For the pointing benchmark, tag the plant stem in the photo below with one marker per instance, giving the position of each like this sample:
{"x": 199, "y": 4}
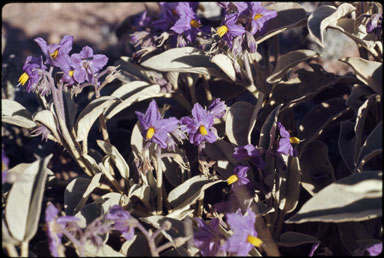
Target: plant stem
{"x": 150, "y": 239}
{"x": 11, "y": 250}
{"x": 159, "y": 182}
{"x": 24, "y": 249}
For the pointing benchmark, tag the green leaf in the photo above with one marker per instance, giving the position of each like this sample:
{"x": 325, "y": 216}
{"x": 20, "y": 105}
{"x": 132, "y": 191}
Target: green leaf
{"x": 237, "y": 122}
{"x": 22, "y": 211}
{"x": 184, "y": 59}
{"x": 290, "y": 186}
{"x": 95, "y": 183}
{"x": 225, "y": 64}
{"x": 74, "y": 193}
{"x": 134, "y": 247}
{"x": 189, "y": 191}
{"x": 14, "y": 113}
{"x": 289, "y": 15}
{"x": 346, "y": 143}
{"x": 291, "y": 239}
{"x": 267, "y": 134}
{"x": 89, "y": 115}
{"x": 287, "y": 61}
{"x": 369, "y": 72}
{"x": 372, "y": 146}
{"x": 115, "y": 155}
{"x": 221, "y": 152}
{"x": 46, "y": 118}
{"x": 103, "y": 251}
{"x": 130, "y": 93}
{"x": 354, "y": 198}
{"x": 317, "y": 170}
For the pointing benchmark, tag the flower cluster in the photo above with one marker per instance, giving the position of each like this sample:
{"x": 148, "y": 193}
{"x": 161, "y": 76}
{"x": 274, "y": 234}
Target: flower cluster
{"x": 199, "y": 127}
{"x": 75, "y": 69}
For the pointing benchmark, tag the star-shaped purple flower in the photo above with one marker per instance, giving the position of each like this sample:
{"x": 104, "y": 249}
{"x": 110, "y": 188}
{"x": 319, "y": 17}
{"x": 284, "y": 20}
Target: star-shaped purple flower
{"x": 31, "y": 74}
{"x": 188, "y": 23}
{"x": 229, "y": 30}
{"x": 239, "y": 177}
{"x": 57, "y": 54}
{"x": 249, "y": 152}
{"x": 156, "y": 129}
{"x": 123, "y": 221}
{"x": 86, "y": 65}
{"x": 200, "y": 127}
{"x": 259, "y": 16}
{"x": 284, "y": 144}
{"x": 208, "y": 237}
{"x": 244, "y": 236}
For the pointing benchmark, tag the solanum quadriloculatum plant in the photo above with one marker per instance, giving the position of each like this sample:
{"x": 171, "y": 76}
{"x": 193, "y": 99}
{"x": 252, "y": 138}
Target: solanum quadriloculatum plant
{"x": 212, "y": 129}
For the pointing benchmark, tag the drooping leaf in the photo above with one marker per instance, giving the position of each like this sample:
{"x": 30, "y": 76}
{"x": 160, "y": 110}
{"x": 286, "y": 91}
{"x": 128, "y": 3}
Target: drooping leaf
{"x": 290, "y": 187}
{"x": 74, "y": 193}
{"x": 317, "y": 170}
{"x": 372, "y": 146}
{"x": 318, "y": 118}
{"x": 221, "y": 151}
{"x": 115, "y": 155}
{"x": 46, "y": 118}
{"x": 358, "y": 95}
{"x": 237, "y": 122}
{"x": 184, "y": 59}
{"x": 369, "y": 72}
{"x": 291, "y": 239}
{"x": 266, "y": 138}
{"x": 14, "y": 113}
{"x": 225, "y": 64}
{"x": 95, "y": 182}
{"x": 289, "y": 15}
{"x": 22, "y": 211}
{"x": 357, "y": 197}
{"x": 346, "y": 143}
{"x": 287, "y": 62}
{"x": 89, "y": 115}
{"x": 189, "y": 191}
{"x": 130, "y": 93}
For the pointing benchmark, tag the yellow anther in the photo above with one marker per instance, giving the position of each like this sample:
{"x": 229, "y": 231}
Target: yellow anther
{"x": 150, "y": 133}
{"x": 232, "y": 179}
{"x": 23, "y": 78}
{"x": 222, "y": 30}
{"x": 195, "y": 23}
{"x": 54, "y": 54}
{"x": 257, "y": 16}
{"x": 71, "y": 73}
{"x": 294, "y": 140}
{"x": 254, "y": 240}
{"x": 203, "y": 130}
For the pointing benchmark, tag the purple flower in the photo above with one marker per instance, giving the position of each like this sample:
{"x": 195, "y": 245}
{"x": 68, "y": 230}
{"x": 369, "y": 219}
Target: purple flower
{"x": 55, "y": 228}
{"x": 375, "y": 22}
{"x": 4, "y": 167}
{"x": 217, "y": 108}
{"x": 259, "y": 16}
{"x": 244, "y": 236}
{"x": 239, "y": 177}
{"x": 86, "y": 65}
{"x": 200, "y": 127}
{"x": 57, "y": 54}
{"x": 375, "y": 250}
{"x": 249, "y": 152}
{"x": 123, "y": 221}
{"x": 168, "y": 16}
{"x": 284, "y": 145}
{"x": 188, "y": 24}
{"x": 156, "y": 129}
{"x": 208, "y": 237}
{"x": 31, "y": 74}
{"x": 230, "y": 29}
